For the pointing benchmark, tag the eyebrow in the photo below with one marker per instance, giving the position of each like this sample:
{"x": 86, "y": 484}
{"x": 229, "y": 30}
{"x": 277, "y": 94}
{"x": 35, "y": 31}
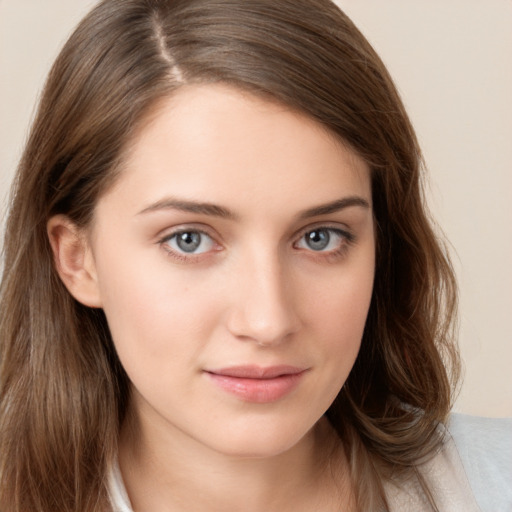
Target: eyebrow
{"x": 215, "y": 210}
{"x": 335, "y": 206}
{"x": 190, "y": 207}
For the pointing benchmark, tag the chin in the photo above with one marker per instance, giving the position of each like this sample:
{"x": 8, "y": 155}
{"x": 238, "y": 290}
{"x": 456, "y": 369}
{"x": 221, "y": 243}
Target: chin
{"x": 261, "y": 440}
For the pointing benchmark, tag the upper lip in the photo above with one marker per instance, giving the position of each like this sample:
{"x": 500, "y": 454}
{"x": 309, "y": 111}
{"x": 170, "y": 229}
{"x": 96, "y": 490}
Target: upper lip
{"x": 257, "y": 372}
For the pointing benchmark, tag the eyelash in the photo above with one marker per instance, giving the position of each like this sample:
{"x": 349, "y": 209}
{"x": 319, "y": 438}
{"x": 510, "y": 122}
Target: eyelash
{"x": 347, "y": 239}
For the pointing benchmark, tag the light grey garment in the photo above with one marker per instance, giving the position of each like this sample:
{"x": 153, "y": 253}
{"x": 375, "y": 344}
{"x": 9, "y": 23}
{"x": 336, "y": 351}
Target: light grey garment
{"x": 471, "y": 473}
{"x": 485, "y": 448}
{"x": 118, "y": 495}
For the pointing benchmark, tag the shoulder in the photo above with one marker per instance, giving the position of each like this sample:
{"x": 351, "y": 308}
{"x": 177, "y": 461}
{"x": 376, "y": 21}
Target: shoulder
{"x": 484, "y": 446}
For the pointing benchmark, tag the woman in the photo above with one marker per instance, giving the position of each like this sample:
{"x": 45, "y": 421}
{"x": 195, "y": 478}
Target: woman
{"x": 222, "y": 290}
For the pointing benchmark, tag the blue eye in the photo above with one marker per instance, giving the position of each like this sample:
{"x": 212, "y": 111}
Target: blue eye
{"x": 190, "y": 242}
{"x": 323, "y": 240}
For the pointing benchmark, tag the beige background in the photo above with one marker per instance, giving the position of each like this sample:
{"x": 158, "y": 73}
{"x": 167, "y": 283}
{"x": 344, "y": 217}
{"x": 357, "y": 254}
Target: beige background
{"x": 452, "y": 62}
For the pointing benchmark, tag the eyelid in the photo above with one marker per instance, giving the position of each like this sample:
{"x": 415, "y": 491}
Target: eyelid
{"x": 336, "y": 227}
{"x": 169, "y": 231}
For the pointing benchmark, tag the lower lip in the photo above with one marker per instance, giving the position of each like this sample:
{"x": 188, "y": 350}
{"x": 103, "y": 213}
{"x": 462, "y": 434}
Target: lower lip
{"x": 257, "y": 390}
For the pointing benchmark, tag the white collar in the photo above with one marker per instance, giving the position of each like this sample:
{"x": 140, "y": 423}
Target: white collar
{"x": 117, "y": 491}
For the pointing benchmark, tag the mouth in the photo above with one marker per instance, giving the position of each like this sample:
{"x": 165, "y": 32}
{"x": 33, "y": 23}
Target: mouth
{"x": 257, "y": 384}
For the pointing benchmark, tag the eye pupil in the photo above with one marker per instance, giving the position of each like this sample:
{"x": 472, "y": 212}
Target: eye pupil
{"x": 188, "y": 241}
{"x": 318, "y": 239}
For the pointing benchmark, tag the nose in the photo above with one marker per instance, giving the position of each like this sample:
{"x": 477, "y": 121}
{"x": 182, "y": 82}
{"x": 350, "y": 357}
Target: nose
{"x": 264, "y": 308}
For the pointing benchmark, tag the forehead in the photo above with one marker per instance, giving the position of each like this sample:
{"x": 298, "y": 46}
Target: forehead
{"x": 216, "y": 143}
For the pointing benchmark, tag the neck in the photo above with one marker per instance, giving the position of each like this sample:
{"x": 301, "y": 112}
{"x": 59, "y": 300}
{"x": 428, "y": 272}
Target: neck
{"x": 164, "y": 473}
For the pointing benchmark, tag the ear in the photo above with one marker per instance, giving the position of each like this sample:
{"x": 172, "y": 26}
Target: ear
{"x": 74, "y": 260}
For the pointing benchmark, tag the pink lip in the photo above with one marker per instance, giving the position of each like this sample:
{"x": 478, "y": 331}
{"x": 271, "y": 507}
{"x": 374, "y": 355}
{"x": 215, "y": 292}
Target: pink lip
{"x": 257, "y": 384}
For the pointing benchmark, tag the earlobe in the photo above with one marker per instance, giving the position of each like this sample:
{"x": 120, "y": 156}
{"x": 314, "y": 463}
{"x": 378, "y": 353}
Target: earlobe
{"x": 74, "y": 260}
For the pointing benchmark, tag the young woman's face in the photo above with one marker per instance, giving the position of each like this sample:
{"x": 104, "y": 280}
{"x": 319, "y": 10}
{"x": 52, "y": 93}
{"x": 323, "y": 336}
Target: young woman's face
{"x": 234, "y": 259}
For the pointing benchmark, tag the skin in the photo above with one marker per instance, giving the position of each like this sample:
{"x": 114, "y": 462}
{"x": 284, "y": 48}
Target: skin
{"x": 254, "y": 292}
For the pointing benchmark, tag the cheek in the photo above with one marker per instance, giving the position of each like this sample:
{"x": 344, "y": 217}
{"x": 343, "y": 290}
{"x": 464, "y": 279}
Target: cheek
{"x": 341, "y": 301}
{"x": 335, "y": 315}
{"x": 337, "y": 312}
{"x": 155, "y": 312}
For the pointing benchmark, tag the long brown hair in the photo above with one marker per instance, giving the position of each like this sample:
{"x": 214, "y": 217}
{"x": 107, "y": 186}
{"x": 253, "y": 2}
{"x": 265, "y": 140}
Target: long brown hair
{"x": 63, "y": 393}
